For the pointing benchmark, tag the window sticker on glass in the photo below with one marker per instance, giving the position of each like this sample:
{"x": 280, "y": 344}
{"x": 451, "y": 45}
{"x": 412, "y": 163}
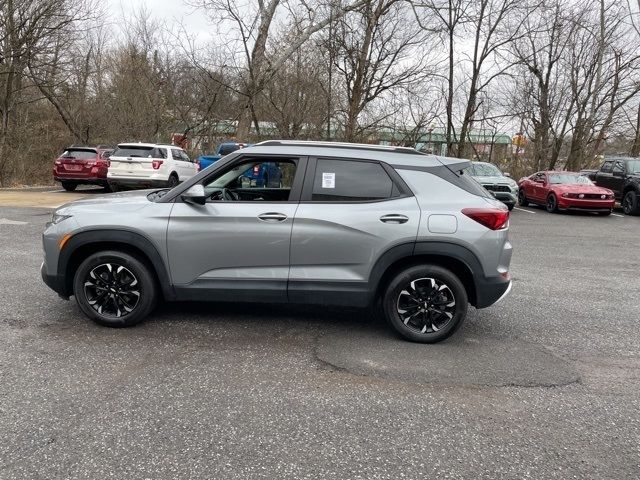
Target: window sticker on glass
{"x": 328, "y": 180}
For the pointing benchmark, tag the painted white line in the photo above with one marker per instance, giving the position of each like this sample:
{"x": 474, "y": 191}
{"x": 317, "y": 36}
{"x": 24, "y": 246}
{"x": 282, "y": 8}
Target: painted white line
{"x": 617, "y": 215}
{"x": 6, "y": 221}
{"x": 523, "y": 210}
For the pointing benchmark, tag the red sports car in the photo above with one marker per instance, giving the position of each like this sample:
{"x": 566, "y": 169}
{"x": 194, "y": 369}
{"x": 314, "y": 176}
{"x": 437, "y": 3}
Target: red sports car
{"x": 565, "y": 191}
{"x": 82, "y": 165}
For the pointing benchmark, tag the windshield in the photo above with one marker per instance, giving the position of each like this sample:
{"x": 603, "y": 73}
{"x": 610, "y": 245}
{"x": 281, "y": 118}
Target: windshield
{"x": 634, "y": 166}
{"x": 485, "y": 170}
{"x": 132, "y": 151}
{"x": 569, "y": 178}
{"x": 79, "y": 154}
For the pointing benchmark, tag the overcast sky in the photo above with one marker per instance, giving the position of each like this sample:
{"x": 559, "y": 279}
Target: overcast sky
{"x": 170, "y": 11}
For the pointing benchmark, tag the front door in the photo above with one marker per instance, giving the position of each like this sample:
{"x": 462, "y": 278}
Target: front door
{"x": 236, "y": 246}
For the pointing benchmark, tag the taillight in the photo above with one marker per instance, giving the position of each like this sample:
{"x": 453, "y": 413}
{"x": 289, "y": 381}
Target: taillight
{"x": 156, "y": 164}
{"x": 492, "y": 218}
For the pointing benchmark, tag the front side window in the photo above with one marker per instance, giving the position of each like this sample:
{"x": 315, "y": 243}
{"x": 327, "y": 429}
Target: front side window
{"x": 253, "y": 180}
{"x": 607, "y": 167}
{"x": 345, "y": 181}
{"x": 618, "y": 167}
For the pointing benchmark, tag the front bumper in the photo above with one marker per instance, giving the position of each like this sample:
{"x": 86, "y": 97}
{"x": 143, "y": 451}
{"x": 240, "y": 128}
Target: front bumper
{"x": 585, "y": 205}
{"x": 54, "y": 282}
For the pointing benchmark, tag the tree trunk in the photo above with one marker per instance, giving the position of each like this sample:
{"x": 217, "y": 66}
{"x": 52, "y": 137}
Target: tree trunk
{"x": 635, "y": 148}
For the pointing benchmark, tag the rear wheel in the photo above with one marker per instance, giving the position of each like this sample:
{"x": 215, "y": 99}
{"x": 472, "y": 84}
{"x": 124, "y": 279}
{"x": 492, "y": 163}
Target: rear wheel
{"x": 114, "y": 187}
{"x": 114, "y": 289}
{"x": 630, "y": 203}
{"x": 522, "y": 199}
{"x": 173, "y": 180}
{"x": 552, "y": 204}
{"x": 69, "y": 186}
{"x": 425, "y": 303}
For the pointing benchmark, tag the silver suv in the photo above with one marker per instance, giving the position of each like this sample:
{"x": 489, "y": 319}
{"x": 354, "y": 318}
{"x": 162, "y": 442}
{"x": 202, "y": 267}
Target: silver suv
{"x": 410, "y": 235}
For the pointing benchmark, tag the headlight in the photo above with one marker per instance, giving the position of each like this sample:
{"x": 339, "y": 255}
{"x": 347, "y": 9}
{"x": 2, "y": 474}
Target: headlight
{"x": 57, "y": 218}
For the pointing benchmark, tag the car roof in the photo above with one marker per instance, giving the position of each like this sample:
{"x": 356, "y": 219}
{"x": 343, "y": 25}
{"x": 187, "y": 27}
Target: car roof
{"x": 396, "y": 156}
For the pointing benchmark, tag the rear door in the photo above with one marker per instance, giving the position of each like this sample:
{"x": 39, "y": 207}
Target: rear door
{"x": 183, "y": 165}
{"x": 351, "y": 212}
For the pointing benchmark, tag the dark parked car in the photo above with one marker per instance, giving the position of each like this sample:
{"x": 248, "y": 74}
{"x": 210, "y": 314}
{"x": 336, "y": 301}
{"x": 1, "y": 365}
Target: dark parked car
{"x": 565, "y": 191}
{"x": 622, "y": 175}
{"x": 82, "y": 165}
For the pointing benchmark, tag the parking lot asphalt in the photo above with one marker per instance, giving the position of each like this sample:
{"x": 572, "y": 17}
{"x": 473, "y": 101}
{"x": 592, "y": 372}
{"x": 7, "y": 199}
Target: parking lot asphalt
{"x": 544, "y": 385}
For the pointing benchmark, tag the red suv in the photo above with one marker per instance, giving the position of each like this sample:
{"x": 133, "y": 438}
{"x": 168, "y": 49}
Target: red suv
{"x": 82, "y": 165}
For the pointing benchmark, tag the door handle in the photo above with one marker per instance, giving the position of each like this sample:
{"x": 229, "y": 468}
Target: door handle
{"x": 272, "y": 217}
{"x": 394, "y": 218}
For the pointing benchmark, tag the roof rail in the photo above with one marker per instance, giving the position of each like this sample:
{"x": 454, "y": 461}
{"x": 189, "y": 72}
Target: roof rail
{"x": 354, "y": 146}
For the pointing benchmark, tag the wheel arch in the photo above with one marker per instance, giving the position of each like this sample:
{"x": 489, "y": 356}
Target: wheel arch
{"x": 83, "y": 244}
{"x": 455, "y": 258}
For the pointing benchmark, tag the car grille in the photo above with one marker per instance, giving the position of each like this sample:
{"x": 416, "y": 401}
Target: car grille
{"x": 497, "y": 188}
{"x": 588, "y": 196}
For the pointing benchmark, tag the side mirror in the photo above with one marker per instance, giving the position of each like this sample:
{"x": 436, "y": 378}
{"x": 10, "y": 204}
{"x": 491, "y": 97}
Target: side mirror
{"x": 506, "y": 174}
{"x": 194, "y": 195}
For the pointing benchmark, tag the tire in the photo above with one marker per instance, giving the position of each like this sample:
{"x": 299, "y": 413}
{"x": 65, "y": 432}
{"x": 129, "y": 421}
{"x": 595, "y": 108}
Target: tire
{"x": 173, "y": 181}
{"x": 95, "y": 275}
{"x": 522, "y": 199}
{"x": 114, "y": 187}
{"x": 631, "y": 203}
{"x": 69, "y": 186}
{"x": 417, "y": 283}
{"x": 552, "y": 204}
{"x": 511, "y": 206}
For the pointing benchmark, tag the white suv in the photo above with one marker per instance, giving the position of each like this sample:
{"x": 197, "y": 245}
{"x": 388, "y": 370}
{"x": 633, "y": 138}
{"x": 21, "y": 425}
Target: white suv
{"x": 149, "y": 165}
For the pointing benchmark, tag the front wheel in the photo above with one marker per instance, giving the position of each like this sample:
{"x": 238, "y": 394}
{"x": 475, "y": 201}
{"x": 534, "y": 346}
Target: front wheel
{"x": 552, "y": 204}
{"x": 114, "y": 289}
{"x": 425, "y": 303}
{"x": 522, "y": 199}
{"x": 630, "y": 203}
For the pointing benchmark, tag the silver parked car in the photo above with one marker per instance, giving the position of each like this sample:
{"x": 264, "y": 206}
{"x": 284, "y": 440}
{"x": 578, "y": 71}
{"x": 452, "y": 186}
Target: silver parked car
{"x": 503, "y": 187}
{"x": 359, "y": 225}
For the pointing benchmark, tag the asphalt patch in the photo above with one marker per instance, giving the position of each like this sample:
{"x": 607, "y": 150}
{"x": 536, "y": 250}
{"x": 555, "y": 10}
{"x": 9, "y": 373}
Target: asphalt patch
{"x": 460, "y": 360}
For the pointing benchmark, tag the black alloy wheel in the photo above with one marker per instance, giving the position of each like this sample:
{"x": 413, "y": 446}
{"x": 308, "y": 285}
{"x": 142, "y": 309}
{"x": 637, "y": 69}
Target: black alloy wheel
{"x": 552, "y": 204}
{"x": 425, "y": 303}
{"x": 631, "y": 203}
{"x": 114, "y": 288}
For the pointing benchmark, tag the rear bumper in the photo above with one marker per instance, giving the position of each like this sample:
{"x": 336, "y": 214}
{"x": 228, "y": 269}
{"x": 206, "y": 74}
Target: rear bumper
{"x": 137, "y": 182}
{"x": 491, "y": 290}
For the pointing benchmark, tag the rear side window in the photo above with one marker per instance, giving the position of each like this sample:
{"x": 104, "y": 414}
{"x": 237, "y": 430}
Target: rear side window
{"x": 133, "y": 151}
{"x": 79, "y": 154}
{"x": 345, "y": 181}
